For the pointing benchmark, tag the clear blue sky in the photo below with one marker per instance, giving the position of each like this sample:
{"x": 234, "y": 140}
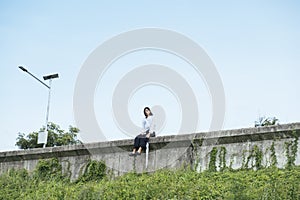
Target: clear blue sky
{"x": 254, "y": 45}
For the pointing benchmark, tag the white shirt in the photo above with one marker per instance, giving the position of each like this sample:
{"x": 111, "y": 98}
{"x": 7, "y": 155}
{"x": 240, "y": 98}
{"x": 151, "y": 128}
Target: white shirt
{"x": 148, "y": 124}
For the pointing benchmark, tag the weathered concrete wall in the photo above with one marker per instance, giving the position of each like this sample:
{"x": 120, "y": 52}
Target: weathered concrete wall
{"x": 232, "y": 148}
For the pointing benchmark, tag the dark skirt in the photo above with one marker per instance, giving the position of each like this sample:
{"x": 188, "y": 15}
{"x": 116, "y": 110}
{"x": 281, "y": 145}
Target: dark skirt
{"x": 140, "y": 141}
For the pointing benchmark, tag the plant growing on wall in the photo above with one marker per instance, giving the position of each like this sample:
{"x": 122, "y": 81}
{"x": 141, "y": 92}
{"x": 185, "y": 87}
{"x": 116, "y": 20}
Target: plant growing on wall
{"x": 255, "y": 155}
{"x": 266, "y": 121}
{"x": 291, "y": 151}
{"x": 212, "y": 161}
{"x": 94, "y": 171}
{"x": 48, "y": 169}
{"x": 222, "y": 158}
{"x": 273, "y": 156}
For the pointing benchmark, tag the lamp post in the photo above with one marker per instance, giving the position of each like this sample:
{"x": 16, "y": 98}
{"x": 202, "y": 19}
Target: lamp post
{"x": 43, "y": 136}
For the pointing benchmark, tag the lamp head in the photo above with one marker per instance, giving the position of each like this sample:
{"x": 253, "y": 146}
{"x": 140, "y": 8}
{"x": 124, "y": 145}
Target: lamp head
{"x": 50, "y": 76}
{"x": 23, "y": 69}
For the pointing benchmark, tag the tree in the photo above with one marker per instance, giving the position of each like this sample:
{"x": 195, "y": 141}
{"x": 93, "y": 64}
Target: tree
{"x": 266, "y": 121}
{"x": 56, "y": 137}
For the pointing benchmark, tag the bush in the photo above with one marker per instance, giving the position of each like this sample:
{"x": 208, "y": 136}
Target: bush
{"x": 48, "y": 169}
{"x": 270, "y": 183}
{"x": 94, "y": 171}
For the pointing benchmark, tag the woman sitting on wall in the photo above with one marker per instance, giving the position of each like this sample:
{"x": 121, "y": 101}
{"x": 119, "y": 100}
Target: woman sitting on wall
{"x": 148, "y": 131}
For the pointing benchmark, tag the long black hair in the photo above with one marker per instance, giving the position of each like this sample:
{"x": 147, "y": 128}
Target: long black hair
{"x": 147, "y": 108}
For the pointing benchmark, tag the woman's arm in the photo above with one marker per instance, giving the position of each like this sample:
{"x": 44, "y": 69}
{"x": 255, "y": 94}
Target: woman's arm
{"x": 144, "y": 128}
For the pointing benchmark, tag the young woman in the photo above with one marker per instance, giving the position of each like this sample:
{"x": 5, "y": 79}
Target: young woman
{"x": 148, "y": 131}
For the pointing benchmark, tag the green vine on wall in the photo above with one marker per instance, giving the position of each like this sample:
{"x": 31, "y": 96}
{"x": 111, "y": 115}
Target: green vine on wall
{"x": 244, "y": 160}
{"x": 66, "y": 165}
{"x": 94, "y": 171}
{"x": 255, "y": 154}
{"x": 213, "y": 159}
{"x": 291, "y": 151}
{"x": 258, "y": 157}
{"x": 212, "y": 162}
{"x": 196, "y": 142}
{"x": 273, "y": 156}
{"x": 48, "y": 169}
{"x": 231, "y": 162}
{"x": 222, "y": 159}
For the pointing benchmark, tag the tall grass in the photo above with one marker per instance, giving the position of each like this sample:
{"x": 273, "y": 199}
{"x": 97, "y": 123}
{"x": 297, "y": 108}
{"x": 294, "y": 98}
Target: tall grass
{"x": 269, "y": 183}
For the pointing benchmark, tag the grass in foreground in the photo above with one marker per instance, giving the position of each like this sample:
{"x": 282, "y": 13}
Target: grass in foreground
{"x": 270, "y": 183}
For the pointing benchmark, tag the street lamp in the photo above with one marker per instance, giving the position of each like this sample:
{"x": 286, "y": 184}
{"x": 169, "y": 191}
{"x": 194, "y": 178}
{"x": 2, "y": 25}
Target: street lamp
{"x": 42, "y": 137}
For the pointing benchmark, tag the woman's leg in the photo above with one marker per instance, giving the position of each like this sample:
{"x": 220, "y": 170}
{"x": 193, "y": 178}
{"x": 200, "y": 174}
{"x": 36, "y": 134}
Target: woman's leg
{"x": 136, "y": 142}
{"x": 143, "y": 142}
{"x": 140, "y": 150}
{"x": 140, "y": 142}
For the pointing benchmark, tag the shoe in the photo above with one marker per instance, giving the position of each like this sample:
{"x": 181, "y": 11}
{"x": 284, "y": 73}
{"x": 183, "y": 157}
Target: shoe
{"x": 138, "y": 153}
{"x": 132, "y": 154}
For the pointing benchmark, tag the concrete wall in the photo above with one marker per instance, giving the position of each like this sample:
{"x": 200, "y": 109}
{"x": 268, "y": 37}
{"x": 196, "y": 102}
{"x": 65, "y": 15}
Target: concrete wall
{"x": 170, "y": 151}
